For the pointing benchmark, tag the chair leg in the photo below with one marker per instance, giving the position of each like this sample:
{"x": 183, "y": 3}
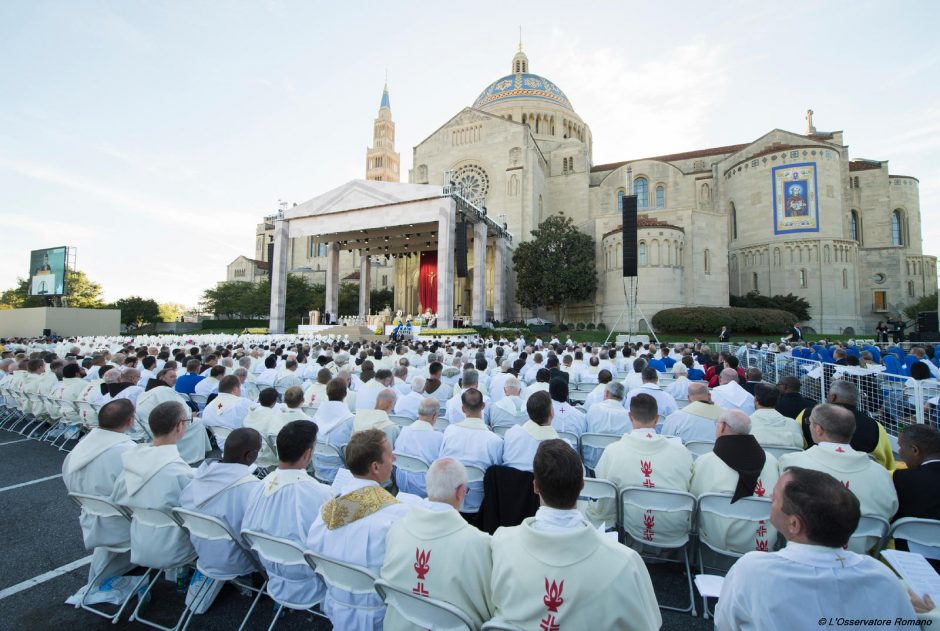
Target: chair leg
{"x": 688, "y": 576}
{"x": 277, "y": 614}
{"x": 254, "y": 604}
{"x": 117, "y": 616}
{"x": 200, "y": 595}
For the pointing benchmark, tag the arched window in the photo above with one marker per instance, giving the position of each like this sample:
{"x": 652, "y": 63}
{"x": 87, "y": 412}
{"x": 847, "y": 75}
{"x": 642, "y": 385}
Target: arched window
{"x": 660, "y": 196}
{"x": 641, "y": 254}
{"x": 802, "y": 278}
{"x": 642, "y": 190}
{"x": 754, "y": 281}
{"x": 734, "y": 222}
{"x": 620, "y": 195}
{"x": 845, "y": 279}
{"x": 853, "y": 226}
{"x": 708, "y": 262}
{"x": 910, "y": 288}
{"x": 897, "y": 228}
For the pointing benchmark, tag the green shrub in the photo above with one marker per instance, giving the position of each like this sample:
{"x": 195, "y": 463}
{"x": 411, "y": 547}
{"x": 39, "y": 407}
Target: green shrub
{"x": 707, "y": 320}
{"x": 581, "y": 326}
{"x": 590, "y": 326}
{"x": 601, "y": 326}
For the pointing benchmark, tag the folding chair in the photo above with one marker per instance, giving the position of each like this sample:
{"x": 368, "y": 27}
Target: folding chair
{"x": 326, "y": 450}
{"x": 424, "y": 611}
{"x": 103, "y": 507}
{"x": 596, "y": 489}
{"x": 499, "y": 625}
{"x": 595, "y": 441}
{"x": 282, "y": 552}
{"x": 156, "y": 518}
{"x": 700, "y": 447}
{"x": 663, "y": 502}
{"x": 404, "y": 421}
{"x": 869, "y": 534}
{"x": 347, "y": 577}
{"x": 780, "y": 450}
{"x": 923, "y": 532}
{"x": 214, "y": 529}
{"x": 500, "y": 430}
{"x": 410, "y": 463}
{"x": 474, "y": 473}
{"x": 441, "y": 424}
{"x": 571, "y": 439}
{"x": 200, "y": 400}
{"x": 746, "y": 509}
{"x": 220, "y": 433}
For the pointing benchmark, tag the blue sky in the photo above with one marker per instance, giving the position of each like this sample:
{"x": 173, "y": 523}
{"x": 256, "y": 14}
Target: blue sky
{"x": 154, "y": 135}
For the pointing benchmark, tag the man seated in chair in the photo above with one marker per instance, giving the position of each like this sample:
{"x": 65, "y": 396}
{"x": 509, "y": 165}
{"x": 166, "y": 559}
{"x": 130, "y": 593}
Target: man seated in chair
{"x": 667, "y": 405}
{"x": 421, "y": 441}
{"x": 377, "y": 418}
{"x": 770, "y": 427}
{"x": 92, "y": 468}
{"x": 729, "y": 393}
{"x": 832, "y": 427}
{"x": 407, "y": 404}
{"x": 567, "y": 417}
{"x": 195, "y": 442}
{"x": 434, "y": 543}
{"x": 210, "y": 385}
{"x": 223, "y": 489}
{"x": 266, "y": 419}
{"x": 153, "y": 477}
{"x": 917, "y": 484}
{"x": 646, "y": 459}
{"x": 510, "y": 408}
{"x": 473, "y": 443}
{"x": 228, "y": 410}
{"x": 816, "y": 514}
{"x": 556, "y": 570}
{"x": 293, "y": 400}
{"x": 522, "y": 441}
{"x": 609, "y": 416}
{"x": 740, "y": 467}
{"x": 315, "y": 391}
{"x": 284, "y": 506}
{"x": 352, "y": 527}
{"x": 336, "y": 424}
{"x": 696, "y": 421}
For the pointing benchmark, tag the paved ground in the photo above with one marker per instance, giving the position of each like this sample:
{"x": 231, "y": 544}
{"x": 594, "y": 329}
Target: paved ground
{"x": 39, "y": 534}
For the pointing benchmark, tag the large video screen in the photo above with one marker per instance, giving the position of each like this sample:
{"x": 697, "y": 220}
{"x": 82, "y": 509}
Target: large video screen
{"x": 47, "y": 272}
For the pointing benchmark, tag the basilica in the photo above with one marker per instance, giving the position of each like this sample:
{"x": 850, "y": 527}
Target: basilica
{"x": 784, "y": 213}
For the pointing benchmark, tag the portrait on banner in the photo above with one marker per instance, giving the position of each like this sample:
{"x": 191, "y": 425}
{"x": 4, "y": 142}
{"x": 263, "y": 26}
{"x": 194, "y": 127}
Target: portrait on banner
{"x": 795, "y": 198}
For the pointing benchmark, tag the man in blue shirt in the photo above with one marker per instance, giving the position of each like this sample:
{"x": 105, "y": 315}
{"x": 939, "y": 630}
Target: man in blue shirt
{"x": 187, "y": 383}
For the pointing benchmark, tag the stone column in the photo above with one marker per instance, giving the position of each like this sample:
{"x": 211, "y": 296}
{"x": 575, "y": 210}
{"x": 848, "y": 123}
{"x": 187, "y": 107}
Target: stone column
{"x": 332, "y": 280}
{"x": 478, "y": 314}
{"x": 499, "y": 292}
{"x": 278, "y": 269}
{"x": 365, "y": 278}
{"x": 446, "y": 224}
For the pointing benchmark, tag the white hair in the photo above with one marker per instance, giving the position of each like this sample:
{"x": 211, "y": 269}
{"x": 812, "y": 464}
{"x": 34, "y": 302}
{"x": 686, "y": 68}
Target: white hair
{"x": 417, "y": 384}
{"x": 428, "y": 407}
{"x": 443, "y": 478}
{"x": 679, "y": 369}
{"x": 737, "y": 421}
{"x": 386, "y": 396}
{"x": 512, "y": 383}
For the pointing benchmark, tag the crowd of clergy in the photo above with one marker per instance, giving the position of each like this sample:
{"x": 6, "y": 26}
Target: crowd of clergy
{"x": 232, "y": 430}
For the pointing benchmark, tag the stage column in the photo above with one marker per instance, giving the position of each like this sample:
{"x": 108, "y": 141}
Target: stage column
{"x": 332, "y": 280}
{"x": 499, "y": 292}
{"x": 479, "y": 273}
{"x": 445, "y": 265}
{"x": 365, "y": 278}
{"x": 279, "y": 278}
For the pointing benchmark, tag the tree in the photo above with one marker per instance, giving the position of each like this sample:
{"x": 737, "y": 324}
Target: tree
{"x": 83, "y": 293}
{"x": 247, "y": 300}
{"x": 927, "y": 303}
{"x": 348, "y": 299}
{"x": 754, "y": 300}
{"x": 229, "y": 299}
{"x": 171, "y": 311}
{"x": 555, "y": 268}
{"x": 381, "y": 298}
{"x": 137, "y": 311}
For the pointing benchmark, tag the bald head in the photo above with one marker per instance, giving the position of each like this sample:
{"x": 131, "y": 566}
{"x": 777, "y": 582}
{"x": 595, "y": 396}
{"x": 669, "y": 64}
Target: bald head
{"x": 831, "y": 423}
{"x": 727, "y": 376}
{"x": 242, "y": 446}
{"x": 386, "y": 400}
{"x": 699, "y": 392}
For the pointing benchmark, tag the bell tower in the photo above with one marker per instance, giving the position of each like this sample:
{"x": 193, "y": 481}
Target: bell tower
{"x": 382, "y": 162}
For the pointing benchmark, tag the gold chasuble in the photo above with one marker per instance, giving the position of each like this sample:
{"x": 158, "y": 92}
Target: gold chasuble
{"x": 344, "y": 510}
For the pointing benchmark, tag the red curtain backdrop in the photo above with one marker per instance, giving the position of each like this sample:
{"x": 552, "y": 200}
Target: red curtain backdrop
{"x": 427, "y": 281}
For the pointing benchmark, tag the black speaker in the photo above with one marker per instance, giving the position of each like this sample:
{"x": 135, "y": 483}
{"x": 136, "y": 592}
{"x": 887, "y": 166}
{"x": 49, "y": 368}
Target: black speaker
{"x": 629, "y": 235}
{"x": 927, "y": 322}
{"x": 47, "y": 332}
{"x": 460, "y": 249}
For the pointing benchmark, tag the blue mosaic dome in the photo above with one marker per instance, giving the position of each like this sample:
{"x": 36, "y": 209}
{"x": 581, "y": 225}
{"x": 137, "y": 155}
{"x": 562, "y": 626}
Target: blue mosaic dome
{"x": 522, "y": 86}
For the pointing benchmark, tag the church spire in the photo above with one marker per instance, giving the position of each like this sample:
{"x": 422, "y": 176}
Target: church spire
{"x": 382, "y": 162}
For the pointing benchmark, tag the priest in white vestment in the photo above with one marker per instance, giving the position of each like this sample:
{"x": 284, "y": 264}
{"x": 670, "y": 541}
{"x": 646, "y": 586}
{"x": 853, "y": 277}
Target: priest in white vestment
{"x": 567, "y": 417}
{"x": 597, "y": 394}
{"x": 315, "y": 391}
{"x": 522, "y": 441}
{"x": 377, "y": 418}
{"x": 154, "y": 476}
{"x": 92, "y": 468}
{"x": 420, "y": 441}
{"x": 335, "y": 424}
{"x": 210, "y": 384}
{"x": 433, "y": 544}
{"x": 284, "y": 506}
{"x": 770, "y": 427}
{"x": 730, "y": 395}
{"x": 195, "y": 442}
{"x": 222, "y": 489}
{"x": 407, "y": 405}
{"x": 697, "y": 420}
{"x": 473, "y": 443}
{"x": 352, "y": 528}
{"x": 369, "y": 390}
{"x": 469, "y": 380}
{"x": 266, "y": 419}
{"x": 813, "y": 579}
{"x": 635, "y": 377}
{"x": 832, "y": 427}
{"x": 498, "y": 381}
{"x": 679, "y": 388}
{"x": 646, "y": 459}
{"x": 510, "y": 409}
{"x": 739, "y": 467}
{"x": 664, "y": 401}
{"x": 556, "y": 571}
{"x": 606, "y": 417}
{"x": 227, "y": 411}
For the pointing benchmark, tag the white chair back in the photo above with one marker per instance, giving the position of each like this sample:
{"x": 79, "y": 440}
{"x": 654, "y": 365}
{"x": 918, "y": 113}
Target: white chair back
{"x": 700, "y": 447}
{"x": 500, "y": 430}
{"x": 924, "y": 532}
{"x": 200, "y": 400}
{"x": 571, "y": 439}
{"x": 326, "y": 450}
{"x": 274, "y": 549}
{"x": 99, "y": 506}
{"x": 341, "y": 575}
{"x": 155, "y": 518}
{"x": 410, "y": 463}
{"x": 661, "y": 501}
{"x": 441, "y": 424}
{"x": 780, "y": 450}
{"x": 748, "y": 509}
{"x": 424, "y": 611}
{"x": 499, "y": 625}
{"x": 474, "y": 473}
{"x": 204, "y": 526}
{"x": 869, "y": 534}
{"x": 404, "y": 421}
